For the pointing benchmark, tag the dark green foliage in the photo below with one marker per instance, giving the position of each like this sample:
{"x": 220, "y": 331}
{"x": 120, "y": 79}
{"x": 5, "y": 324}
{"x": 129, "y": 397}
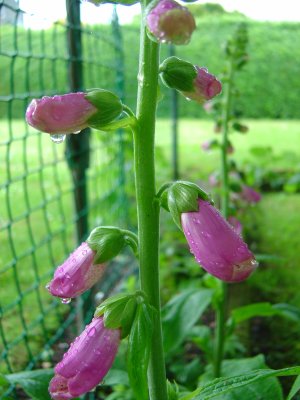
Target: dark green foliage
{"x": 269, "y": 83}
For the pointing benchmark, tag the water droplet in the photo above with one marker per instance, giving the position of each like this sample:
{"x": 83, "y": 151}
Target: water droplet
{"x": 241, "y": 249}
{"x": 254, "y": 263}
{"x": 48, "y": 285}
{"x": 76, "y": 132}
{"x": 66, "y": 300}
{"x": 84, "y": 252}
{"x": 58, "y": 137}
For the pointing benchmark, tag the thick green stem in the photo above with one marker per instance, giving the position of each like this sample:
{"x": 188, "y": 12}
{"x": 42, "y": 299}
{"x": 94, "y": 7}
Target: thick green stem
{"x": 147, "y": 204}
{"x": 221, "y": 309}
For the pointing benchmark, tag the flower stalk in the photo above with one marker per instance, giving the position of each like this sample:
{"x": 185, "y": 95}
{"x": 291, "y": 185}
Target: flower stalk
{"x": 222, "y": 304}
{"x": 147, "y": 205}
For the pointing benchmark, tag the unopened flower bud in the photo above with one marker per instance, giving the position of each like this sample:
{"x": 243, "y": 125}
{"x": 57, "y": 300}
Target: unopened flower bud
{"x": 87, "y": 361}
{"x": 191, "y": 81}
{"x": 72, "y": 112}
{"x": 216, "y": 245}
{"x": 205, "y": 86}
{"x": 77, "y": 274}
{"x": 169, "y": 22}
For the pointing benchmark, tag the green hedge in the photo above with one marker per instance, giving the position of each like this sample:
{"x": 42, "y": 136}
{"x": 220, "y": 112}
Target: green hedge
{"x": 270, "y": 83}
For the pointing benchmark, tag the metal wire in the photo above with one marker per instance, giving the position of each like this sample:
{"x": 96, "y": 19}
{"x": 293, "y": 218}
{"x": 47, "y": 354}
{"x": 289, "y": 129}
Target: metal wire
{"x": 38, "y": 225}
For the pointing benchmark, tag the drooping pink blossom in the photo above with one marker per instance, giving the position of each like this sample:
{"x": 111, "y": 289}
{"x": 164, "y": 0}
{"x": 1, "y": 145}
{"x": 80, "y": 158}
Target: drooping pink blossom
{"x": 169, "y": 22}
{"x": 77, "y": 274}
{"x": 206, "y": 86}
{"x": 206, "y": 146}
{"x": 216, "y": 245}
{"x": 87, "y": 361}
{"x": 67, "y": 113}
{"x": 236, "y": 224}
{"x": 250, "y": 195}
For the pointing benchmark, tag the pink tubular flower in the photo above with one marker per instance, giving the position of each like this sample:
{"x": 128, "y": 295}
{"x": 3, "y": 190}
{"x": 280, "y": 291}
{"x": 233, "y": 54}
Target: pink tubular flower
{"x": 250, "y": 195}
{"x": 206, "y": 86}
{"x": 77, "y": 274}
{"x": 169, "y": 22}
{"x": 235, "y": 223}
{"x": 216, "y": 245}
{"x": 206, "y": 146}
{"x": 60, "y": 114}
{"x": 87, "y": 361}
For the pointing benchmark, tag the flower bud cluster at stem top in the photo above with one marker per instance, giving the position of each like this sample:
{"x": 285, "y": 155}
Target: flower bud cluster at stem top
{"x": 169, "y": 22}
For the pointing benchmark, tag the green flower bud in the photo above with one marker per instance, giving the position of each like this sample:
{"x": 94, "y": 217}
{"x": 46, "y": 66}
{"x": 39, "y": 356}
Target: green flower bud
{"x": 178, "y": 74}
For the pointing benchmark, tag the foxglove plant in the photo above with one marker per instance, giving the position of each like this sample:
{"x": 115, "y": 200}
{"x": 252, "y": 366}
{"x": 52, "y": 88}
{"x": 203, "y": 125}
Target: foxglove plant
{"x": 138, "y": 316}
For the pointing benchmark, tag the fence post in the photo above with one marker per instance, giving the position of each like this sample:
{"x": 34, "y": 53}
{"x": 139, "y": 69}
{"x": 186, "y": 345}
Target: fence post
{"x": 174, "y": 125}
{"x": 120, "y": 89}
{"x": 77, "y": 146}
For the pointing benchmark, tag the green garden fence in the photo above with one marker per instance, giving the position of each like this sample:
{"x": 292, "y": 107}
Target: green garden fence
{"x": 52, "y": 195}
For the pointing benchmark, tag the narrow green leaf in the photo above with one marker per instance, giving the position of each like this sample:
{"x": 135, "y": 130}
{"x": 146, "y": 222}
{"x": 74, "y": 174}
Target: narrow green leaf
{"x": 294, "y": 389}
{"x": 221, "y": 386}
{"x": 139, "y": 351}
{"x": 34, "y": 383}
{"x": 181, "y": 313}
{"x": 265, "y": 310}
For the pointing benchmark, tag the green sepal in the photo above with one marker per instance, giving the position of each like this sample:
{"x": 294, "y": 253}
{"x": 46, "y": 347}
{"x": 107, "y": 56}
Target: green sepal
{"x": 118, "y": 312}
{"x": 107, "y": 242}
{"x": 172, "y": 391}
{"x": 121, "y": 123}
{"x": 178, "y": 74}
{"x": 108, "y": 104}
{"x": 183, "y": 197}
{"x": 139, "y": 345}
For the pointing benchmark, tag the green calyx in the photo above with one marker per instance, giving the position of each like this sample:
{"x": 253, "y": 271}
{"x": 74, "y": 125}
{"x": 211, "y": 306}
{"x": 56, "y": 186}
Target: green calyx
{"x": 109, "y": 107}
{"x": 180, "y": 197}
{"x": 178, "y": 74}
{"x": 119, "y": 311}
{"x": 109, "y": 241}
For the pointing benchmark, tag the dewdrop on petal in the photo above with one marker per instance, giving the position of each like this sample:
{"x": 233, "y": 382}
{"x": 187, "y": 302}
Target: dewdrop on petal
{"x": 216, "y": 245}
{"x": 71, "y": 113}
{"x": 76, "y": 275}
{"x": 87, "y": 361}
{"x": 169, "y": 22}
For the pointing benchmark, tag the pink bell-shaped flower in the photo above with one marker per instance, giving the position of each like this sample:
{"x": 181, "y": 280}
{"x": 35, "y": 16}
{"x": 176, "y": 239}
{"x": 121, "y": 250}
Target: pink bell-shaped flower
{"x": 205, "y": 86}
{"x": 250, "y": 195}
{"x": 87, "y": 361}
{"x": 60, "y": 114}
{"x": 216, "y": 245}
{"x": 77, "y": 274}
{"x": 169, "y": 22}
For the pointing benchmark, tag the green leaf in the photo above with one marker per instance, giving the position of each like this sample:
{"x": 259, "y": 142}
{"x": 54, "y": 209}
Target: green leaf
{"x": 265, "y": 310}
{"x": 138, "y": 354}
{"x": 263, "y": 390}
{"x": 221, "y": 386}
{"x": 295, "y": 388}
{"x": 181, "y": 313}
{"x": 116, "y": 377}
{"x": 34, "y": 383}
{"x": 4, "y": 386}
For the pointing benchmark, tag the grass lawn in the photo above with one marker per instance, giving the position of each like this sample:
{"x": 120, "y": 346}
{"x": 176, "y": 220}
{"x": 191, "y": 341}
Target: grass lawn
{"x": 37, "y": 223}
